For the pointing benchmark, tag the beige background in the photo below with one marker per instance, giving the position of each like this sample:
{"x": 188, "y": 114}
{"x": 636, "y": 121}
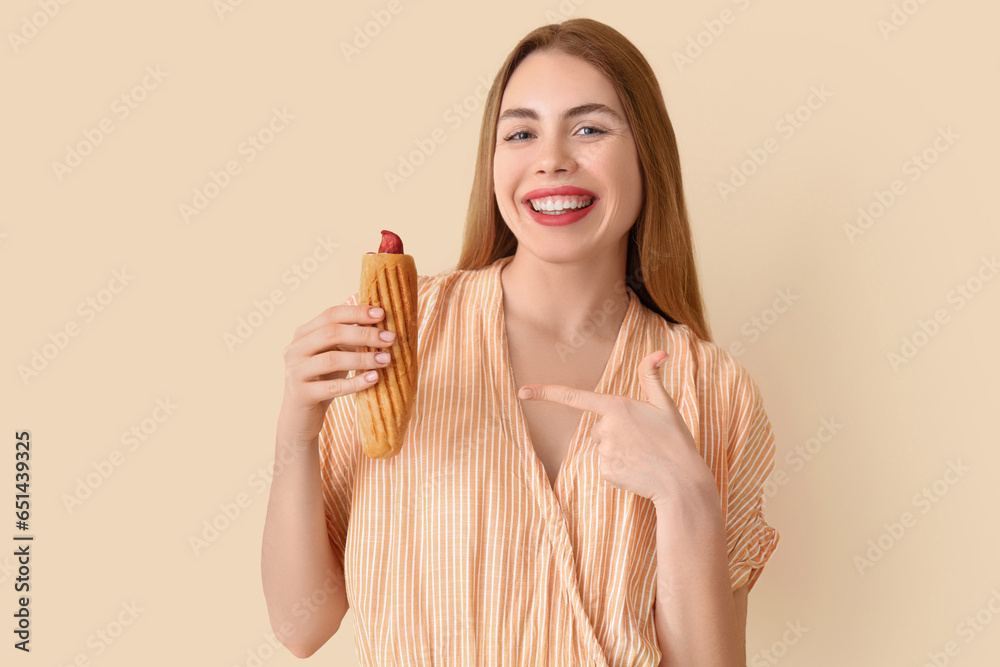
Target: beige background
{"x": 162, "y": 335}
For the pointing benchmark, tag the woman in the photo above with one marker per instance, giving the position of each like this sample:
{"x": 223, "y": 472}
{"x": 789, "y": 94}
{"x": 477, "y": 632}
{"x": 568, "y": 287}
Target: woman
{"x": 610, "y": 512}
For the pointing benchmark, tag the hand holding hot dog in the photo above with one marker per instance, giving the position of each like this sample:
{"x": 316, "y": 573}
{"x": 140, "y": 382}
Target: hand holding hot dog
{"x": 317, "y": 361}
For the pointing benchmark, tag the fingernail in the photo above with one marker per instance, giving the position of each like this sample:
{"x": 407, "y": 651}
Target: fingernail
{"x": 526, "y": 393}
{"x": 375, "y": 312}
{"x": 387, "y": 336}
{"x": 661, "y": 362}
{"x": 371, "y": 377}
{"x": 382, "y": 357}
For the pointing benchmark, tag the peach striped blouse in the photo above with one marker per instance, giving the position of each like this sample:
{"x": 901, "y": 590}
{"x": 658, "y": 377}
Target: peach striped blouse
{"x": 459, "y": 551}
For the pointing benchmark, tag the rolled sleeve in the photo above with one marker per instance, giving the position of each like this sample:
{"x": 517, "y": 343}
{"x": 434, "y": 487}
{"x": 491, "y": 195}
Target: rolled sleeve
{"x": 751, "y": 540}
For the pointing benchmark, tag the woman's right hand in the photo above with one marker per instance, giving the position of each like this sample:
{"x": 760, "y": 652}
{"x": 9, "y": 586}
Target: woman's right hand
{"x": 317, "y": 362}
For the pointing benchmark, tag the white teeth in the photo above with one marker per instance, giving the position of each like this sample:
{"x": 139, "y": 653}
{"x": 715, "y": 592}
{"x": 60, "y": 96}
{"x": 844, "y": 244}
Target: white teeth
{"x": 561, "y": 204}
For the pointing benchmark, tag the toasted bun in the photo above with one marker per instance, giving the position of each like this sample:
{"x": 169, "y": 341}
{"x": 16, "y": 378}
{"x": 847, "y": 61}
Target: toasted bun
{"x": 389, "y": 281}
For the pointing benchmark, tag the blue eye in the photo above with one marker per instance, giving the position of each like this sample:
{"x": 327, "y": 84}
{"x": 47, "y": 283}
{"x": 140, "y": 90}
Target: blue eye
{"x": 595, "y": 132}
{"x": 511, "y": 137}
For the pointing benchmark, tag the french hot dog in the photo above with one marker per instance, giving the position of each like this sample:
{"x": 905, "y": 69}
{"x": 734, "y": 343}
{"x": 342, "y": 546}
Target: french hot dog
{"x": 389, "y": 281}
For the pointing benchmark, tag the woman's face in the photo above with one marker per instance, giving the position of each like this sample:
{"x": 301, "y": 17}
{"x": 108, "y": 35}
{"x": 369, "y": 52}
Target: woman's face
{"x": 562, "y": 126}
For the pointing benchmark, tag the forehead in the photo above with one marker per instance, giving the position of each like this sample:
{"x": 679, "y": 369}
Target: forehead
{"x": 550, "y": 81}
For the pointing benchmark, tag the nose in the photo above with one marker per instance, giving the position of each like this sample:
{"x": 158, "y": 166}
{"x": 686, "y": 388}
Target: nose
{"x": 554, "y": 155}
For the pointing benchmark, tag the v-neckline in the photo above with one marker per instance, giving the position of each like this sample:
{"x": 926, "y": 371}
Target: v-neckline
{"x": 506, "y": 376}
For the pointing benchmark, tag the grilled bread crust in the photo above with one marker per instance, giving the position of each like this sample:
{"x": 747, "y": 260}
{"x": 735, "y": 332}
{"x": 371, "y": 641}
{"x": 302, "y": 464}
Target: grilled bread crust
{"x": 389, "y": 281}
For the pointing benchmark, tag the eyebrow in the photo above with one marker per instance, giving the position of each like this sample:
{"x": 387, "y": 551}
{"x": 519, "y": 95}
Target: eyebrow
{"x": 579, "y": 110}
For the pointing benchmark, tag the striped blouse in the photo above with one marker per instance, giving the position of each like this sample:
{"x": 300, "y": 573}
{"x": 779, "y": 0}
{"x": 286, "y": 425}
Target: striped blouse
{"x": 459, "y": 551}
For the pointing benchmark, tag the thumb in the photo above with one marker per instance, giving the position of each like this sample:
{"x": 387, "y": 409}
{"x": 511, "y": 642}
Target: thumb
{"x": 652, "y": 384}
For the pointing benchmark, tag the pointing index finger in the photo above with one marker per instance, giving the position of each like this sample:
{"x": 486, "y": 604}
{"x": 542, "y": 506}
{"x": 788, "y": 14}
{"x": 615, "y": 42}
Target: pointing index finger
{"x": 568, "y": 396}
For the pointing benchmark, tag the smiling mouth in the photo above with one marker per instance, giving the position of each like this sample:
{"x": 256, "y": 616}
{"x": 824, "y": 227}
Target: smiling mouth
{"x": 560, "y": 205}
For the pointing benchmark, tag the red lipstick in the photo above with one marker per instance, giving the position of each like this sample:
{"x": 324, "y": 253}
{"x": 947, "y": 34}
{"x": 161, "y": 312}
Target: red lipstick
{"x": 559, "y": 219}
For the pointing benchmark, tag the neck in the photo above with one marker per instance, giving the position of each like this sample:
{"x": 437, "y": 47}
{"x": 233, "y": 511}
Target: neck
{"x": 563, "y": 301}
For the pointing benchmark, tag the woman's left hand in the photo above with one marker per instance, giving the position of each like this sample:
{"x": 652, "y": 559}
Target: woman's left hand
{"x": 645, "y": 448}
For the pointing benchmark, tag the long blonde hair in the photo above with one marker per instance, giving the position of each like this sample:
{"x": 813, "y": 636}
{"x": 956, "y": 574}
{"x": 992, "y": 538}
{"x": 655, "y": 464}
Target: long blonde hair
{"x": 660, "y": 267}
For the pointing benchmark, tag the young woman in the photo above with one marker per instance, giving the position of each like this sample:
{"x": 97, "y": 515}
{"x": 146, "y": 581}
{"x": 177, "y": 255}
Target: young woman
{"x": 581, "y": 480}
